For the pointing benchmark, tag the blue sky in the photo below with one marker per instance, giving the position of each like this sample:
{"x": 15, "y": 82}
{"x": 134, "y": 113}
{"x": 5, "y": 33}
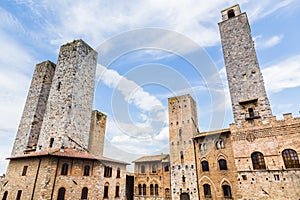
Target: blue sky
{"x": 145, "y": 69}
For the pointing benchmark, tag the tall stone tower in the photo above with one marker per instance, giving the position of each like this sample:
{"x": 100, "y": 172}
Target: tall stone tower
{"x": 248, "y": 95}
{"x": 183, "y": 126}
{"x": 34, "y": 110}
{"x": 97, "y": 133}
{"x": 69, "y": 107}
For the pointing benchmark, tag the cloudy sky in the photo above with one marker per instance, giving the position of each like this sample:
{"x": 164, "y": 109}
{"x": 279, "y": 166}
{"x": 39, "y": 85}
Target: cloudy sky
{"x": 148, "y": 51}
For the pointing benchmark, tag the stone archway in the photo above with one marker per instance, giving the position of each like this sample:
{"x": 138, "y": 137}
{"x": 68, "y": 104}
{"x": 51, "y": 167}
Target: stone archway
{"x": 184, "y": 196}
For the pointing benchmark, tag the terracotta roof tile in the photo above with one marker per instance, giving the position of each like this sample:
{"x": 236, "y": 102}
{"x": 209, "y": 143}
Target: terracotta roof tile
{"x": 161, "y": 157}
{"x": 67, "y": 152}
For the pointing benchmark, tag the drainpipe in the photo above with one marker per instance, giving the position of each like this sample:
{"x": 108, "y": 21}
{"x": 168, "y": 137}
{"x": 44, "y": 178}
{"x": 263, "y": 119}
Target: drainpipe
{"x": 55, "y": 178}
{"x": 36, "y": 177}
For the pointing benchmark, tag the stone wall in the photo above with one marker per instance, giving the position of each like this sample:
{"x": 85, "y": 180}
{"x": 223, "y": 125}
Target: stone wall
{"x": 270, "y": 139}
{"x": 245, "y": 79}
{"x": 69, "y": 106}
{"x": 97, "y": 133}
{"x": 160, "y": 177}
{"x": 183, "y": 122}
{"x": 43, "y": 178}
{"x": 34, "y": 110}
{"x": 208, "y": 148}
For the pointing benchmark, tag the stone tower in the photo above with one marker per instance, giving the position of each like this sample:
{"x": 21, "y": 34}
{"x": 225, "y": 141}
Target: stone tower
{"x": 97, "y": 133}
{"x": 248, "y": 95}
{"x": 68, "y": 113}
{"x": 34, "y": 110}
{"x": 183, "y": 126}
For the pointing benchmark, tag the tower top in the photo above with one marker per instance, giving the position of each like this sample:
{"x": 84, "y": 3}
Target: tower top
{"x": 230, "y": 12}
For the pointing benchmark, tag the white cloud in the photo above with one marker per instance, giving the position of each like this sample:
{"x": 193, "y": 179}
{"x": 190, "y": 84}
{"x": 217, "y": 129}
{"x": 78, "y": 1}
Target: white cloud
{"x": 283, "y": 75}
{"x": 262, "y": 43}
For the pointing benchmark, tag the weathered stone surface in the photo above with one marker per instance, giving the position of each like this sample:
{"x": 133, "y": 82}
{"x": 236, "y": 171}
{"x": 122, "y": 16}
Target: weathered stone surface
{"x": 69, "y": 107}
{"x": 34, "y": 110}
{"x": 183, "y": 122}
{"x": 245, "y": 80}
{"x": 97, "y": 133}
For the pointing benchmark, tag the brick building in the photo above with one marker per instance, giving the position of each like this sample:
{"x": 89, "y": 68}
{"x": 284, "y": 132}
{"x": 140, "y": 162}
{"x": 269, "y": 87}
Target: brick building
{"x": 58, "y": 149}
{"x": 257, "y": 156}
{"x": 152, "y": 177}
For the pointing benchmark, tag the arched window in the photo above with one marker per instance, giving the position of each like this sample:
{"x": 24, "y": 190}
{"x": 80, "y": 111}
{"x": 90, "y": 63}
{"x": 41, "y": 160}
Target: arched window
{"x": 181, "y": 155}
{"x": 61, "y": 194}
{"x": 84, "y": 193}
{"x": 230, "y": 13}
{"x": 167, "y": 193}
{"x": 5, "y": 195}
{"x": 207, "y": 191}
{"x": 205, "y": 166}
{"x": 290, "y": 158}
{"x": 226, "y": 191}
{"x": 86, "y": 171}
{"x": 143, "y": 169}
{"x": 202, "y": 147}
{"x": 117, "y": 191}
{"x": 154, "y": 168}
{"x": 64, "y": 169}
{"x": 19, "y": 194}
{"x": 258, "y": 160}
{"x": 156, "y": 190}
{"x": 183, "y": 178}
{"x": 222, "y": 164}
{"x": 106, "y": 188}
{"x": 140, "y": 189}
{"x": 144, "y": 189}
{"x": 220, "y": 144}
{"x": 151, "y": 190}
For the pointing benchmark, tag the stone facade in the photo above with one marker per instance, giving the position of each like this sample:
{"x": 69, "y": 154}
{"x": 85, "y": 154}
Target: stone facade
{"x": 97, "y": 133}
{"x": 152, "y": 178}
{"x": 246, "y": 85}
{"x": 215, "y": 164}
{"x": 34, "y": 110}
{"x": 44, "y": 176}
{"x": 183, "y": 122}
{"x": 69, "y": 106}
{"x": 274, "y": 178}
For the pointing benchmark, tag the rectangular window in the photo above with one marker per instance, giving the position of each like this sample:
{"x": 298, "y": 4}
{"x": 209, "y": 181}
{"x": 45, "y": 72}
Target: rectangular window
{"x": 19, "y": 195}
{"x": 276, "y": 177}
{"x": 107, "y": 171}
{"x": 105, "y": 191}
{"x": 24, "y": 170}
{"x": 244, "y": 177}
{"x": 117, "y": 191}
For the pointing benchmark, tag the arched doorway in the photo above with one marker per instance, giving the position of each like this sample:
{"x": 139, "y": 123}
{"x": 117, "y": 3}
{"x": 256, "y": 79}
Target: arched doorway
{"x": 184, "y": 196}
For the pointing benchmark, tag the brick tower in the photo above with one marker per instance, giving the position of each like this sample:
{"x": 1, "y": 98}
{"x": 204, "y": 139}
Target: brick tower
{"x": 69, "y": 107}
{"x": 34, "y": 110}
{"x": 248, "y": 95}
{"x": 183, "y": 126}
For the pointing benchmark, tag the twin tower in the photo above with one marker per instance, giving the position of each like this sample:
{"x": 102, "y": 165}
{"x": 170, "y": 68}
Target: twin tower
{"x": 58, "y": 110}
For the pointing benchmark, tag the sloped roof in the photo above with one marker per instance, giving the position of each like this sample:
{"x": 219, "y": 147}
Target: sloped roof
{"x": 67, "y": 152}
{"x": 161, "y": 157}
{"x": 203, "y": 134}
